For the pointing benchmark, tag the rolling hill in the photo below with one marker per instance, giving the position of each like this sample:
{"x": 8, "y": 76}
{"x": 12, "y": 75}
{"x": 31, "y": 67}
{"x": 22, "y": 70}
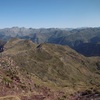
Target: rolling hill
{"x": 42, "y": 71}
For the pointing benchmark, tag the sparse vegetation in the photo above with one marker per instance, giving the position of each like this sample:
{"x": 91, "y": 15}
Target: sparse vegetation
{"x": 46, "y": 71}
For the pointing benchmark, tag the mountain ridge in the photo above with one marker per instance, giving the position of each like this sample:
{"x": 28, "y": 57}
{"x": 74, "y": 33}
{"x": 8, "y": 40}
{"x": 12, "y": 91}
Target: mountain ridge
{"x": 74, "y": 38}
{"x": 45, "y": 51}
{"x": 42, "y": 71}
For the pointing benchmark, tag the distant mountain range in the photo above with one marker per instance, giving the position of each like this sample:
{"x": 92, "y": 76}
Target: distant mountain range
{"x": 83, "y": 40}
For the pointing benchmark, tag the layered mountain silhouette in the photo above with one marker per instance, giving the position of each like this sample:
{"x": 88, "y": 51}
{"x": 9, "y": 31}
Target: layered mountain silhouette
{"x": 78, "y": 39}
{"x": 46, "y": 71}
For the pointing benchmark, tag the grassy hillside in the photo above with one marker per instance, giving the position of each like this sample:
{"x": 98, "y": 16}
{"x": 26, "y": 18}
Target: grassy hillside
{"x": 56, "y": 63}
{"x": 33, "y": 68}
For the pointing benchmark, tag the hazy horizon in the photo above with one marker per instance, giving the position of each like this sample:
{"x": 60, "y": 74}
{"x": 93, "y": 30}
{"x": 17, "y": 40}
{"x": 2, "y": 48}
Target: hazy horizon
{"x": 50, "y": 27}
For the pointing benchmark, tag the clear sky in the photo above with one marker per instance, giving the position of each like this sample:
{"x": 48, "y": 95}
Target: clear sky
{"x": 50, "y": 13}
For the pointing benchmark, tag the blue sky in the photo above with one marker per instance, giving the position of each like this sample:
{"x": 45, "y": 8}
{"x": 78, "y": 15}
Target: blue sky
{"x": 50, "y": 13}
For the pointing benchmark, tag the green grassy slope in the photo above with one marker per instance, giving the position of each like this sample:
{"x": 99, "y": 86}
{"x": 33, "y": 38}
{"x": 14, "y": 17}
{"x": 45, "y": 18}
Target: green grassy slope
{"x": 55, "y": 64}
